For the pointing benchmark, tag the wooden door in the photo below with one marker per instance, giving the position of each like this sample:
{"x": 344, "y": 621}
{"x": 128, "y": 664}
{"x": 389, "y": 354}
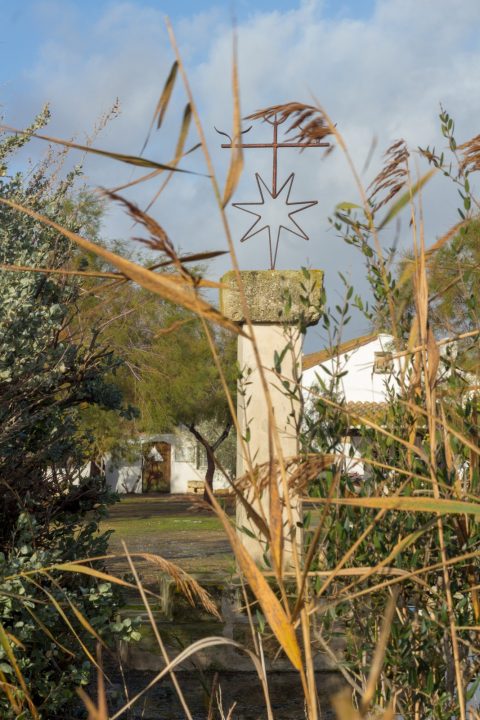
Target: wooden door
{"x": 156, "y": 467}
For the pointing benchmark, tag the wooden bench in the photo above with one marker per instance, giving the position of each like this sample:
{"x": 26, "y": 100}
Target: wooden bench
{"x": 195, "y": 486}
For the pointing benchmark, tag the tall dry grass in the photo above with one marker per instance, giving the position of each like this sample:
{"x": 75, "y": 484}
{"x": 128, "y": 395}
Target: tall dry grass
{"x": 295, "y": 602}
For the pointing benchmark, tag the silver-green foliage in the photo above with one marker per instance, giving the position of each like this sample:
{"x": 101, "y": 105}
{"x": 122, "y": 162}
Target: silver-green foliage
{"x": 419, "y": 665}
{"x": 48, "y": 370}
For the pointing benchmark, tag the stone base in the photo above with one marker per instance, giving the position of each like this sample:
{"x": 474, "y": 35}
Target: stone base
{"x": 180, "y": 626}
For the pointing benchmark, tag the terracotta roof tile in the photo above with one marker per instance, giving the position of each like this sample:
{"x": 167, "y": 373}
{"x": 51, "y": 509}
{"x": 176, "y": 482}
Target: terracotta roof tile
{"x": 373, "y": 411}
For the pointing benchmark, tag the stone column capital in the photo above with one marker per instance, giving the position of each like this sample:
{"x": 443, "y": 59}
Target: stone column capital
{"x": 274, "y": 297}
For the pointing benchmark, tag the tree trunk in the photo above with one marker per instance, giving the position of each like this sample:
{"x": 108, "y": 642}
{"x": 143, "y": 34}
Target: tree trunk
{"x": 210, "y": 449}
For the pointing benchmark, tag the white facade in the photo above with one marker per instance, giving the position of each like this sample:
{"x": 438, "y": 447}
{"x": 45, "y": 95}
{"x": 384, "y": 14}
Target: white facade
{"x": 362, "y": 382}
{"x": 369, "y": 379}
{"x": 125, "y": 476}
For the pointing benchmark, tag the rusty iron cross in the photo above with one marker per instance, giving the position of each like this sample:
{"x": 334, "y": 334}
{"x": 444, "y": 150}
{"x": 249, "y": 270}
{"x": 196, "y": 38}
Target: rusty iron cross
{"x": 277, "y": 208}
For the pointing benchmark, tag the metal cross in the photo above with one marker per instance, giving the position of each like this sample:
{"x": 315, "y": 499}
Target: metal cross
{"x": 276, "y": 201}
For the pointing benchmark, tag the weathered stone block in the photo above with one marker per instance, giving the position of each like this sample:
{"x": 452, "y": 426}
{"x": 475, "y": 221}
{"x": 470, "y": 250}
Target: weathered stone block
{"x": 273, "y": 296}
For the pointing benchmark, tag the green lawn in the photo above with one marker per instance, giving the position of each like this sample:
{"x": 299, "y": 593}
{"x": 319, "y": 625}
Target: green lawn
{"x": 173, "y": 527}
{"x": 139, "y": 526}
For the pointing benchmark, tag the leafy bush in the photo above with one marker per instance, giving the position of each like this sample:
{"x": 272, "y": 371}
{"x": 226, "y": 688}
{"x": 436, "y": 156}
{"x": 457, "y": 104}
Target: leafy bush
{"x": 47, "y": 610}
{"x": 49, "y": 370}
{"x": 424, "y": 444}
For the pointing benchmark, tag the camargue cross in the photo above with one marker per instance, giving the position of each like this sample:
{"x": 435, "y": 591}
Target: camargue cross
{"x": 275, "y": 209}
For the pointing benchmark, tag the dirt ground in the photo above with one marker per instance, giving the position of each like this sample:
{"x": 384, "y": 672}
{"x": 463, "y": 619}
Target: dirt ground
{"x": 182, "y": 529}
{"x": 179, "y": 528}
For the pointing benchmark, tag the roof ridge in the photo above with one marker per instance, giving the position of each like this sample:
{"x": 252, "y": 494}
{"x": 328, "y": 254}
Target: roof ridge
{"x": 320, "y": 356}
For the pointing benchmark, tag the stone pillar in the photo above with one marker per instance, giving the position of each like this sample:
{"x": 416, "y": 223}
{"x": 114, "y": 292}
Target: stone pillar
{"x": 276, "y": 301}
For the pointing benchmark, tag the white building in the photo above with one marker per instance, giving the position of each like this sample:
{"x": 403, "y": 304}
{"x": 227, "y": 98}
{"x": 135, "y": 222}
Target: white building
{"x": 369, "y": 367}
{"x": 168, "y": 463}
{"x": 175, "y": 463}
{"x": 366, "y": 373}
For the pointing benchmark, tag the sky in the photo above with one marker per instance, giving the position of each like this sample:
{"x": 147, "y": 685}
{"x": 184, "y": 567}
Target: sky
{"x": 380, "y": 68}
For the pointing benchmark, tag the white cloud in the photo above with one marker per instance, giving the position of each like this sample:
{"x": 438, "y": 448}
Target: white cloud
{"x": 383, "y": 76}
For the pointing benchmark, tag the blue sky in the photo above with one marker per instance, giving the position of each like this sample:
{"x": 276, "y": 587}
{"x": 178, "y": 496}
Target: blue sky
{"x": 30, "y": 24}
{"x": 379, "y": 67}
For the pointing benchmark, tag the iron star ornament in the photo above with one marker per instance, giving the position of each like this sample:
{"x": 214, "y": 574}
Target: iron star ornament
{"x": 275, "y": 211}
{"x": 275, "y": 215}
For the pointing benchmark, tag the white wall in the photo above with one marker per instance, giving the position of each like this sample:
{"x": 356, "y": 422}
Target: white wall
{"x": 127, "y": 476}
{"x": 182, "y": 473}
{"x": 360, "y": 384}
{"x": 184, "y": 470}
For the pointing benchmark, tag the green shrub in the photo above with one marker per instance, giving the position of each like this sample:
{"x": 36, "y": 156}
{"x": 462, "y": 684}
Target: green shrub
{"x": 50, "y": 368}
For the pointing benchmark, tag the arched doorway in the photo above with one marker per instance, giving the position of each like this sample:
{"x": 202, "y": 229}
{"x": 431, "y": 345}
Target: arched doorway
{"x": 156, "y": 469}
